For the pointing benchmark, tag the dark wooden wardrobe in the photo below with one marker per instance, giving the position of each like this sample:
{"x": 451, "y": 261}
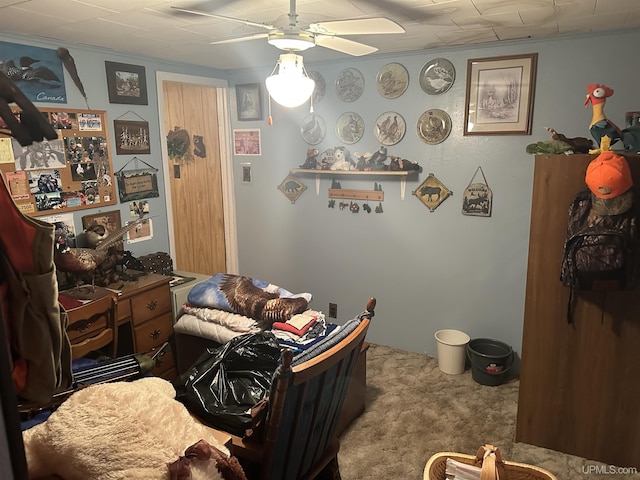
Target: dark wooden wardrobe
{"x": 580, "y": 382}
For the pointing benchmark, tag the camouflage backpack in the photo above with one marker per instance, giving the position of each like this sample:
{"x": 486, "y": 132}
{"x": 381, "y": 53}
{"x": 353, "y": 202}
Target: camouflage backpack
{"x": 601, "y": 252}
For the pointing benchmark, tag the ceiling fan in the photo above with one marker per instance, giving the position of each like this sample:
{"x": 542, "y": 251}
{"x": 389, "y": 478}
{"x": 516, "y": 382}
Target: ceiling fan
{"x": 295, "y": 37}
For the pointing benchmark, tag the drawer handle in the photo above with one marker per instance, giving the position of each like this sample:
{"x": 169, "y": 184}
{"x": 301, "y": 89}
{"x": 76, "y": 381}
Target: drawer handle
{"x": 152, "y": 305}
{"x": 155, "y": 334}
{"x": 84, "y": 327}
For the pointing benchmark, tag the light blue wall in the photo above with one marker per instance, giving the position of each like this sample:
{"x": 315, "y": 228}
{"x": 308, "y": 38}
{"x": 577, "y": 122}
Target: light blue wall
{"x": 427, "y": 270}
{"x": 91, "y": 70}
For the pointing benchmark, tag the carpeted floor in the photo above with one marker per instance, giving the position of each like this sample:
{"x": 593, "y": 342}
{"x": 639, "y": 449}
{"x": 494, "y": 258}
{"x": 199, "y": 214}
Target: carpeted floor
{"x": 413, "y": 411}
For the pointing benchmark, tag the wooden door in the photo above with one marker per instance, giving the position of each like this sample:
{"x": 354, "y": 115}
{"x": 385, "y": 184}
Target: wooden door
{"x": 195, "y": 177}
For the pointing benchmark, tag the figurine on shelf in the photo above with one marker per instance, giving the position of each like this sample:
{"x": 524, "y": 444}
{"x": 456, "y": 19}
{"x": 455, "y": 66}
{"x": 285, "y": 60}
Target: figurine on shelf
{"x": 376, "y": 162}
{"x": 312, "y": 159}
{"x": 402, "y": 164}
{"x": 342, "y": 159}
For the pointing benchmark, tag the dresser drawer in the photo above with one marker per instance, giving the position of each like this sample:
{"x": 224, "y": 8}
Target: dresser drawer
{"x": 153, "y": 333}
{"x": 83, "y": 329}
{"x": 150, "y": 304}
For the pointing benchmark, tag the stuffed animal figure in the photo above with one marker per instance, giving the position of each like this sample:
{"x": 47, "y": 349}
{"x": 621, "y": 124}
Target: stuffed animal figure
{"x": 342, "y": 159}
{"x": 119, "y": 430}
{"x": 312, "y": 159}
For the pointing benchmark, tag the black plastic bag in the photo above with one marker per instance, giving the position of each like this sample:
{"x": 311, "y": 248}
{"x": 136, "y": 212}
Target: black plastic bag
{"x": 225, "y": 382}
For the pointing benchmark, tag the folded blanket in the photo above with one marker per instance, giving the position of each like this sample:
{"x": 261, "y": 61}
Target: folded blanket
{"x": 192, "y": 325}
{"x": 233, "y": 321}
{"x": 249, "y": 297}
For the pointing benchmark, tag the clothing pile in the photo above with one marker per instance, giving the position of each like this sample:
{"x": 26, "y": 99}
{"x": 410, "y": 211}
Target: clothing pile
{"x": 303, "y": 330}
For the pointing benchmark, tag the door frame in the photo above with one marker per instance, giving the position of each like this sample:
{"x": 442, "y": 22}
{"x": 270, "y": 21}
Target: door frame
{"x": 226, "y": 163}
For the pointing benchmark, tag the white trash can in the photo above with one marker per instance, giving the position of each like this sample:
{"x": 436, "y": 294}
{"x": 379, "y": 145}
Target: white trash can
{"x": 452, "y": 350}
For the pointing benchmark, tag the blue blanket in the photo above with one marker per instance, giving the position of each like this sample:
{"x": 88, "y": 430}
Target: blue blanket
{"x": 249, "y": 297}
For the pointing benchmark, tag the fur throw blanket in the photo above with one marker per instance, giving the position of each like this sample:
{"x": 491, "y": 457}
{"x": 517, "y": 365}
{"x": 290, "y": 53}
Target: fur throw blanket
{"x": 121, "y": 430}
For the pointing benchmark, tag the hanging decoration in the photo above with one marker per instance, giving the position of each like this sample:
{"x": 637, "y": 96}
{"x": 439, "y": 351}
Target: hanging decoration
{"x": 292, "y": 187}
{"x": 477, "y": 198}
{"x": 432, "y": 192}
{"x": 178, "y": 144}
{"x": 132, "y": 136}
{"x": 137, "y": 184}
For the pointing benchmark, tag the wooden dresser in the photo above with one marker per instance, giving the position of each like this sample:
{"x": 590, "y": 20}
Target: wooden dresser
{"x": 145, "y": 305}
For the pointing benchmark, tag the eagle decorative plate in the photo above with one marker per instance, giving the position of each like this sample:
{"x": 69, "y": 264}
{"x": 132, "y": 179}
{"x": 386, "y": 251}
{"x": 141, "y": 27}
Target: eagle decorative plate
{"x": 392, "y": 80}
{"x": 389, "y": 128}
{"x": 350, "y": 127}
{"x": 349, "y": 85}
{"x": 434, "y": 126}
{"x": 320, "y": 88}
{"x": 437, "y": 76}
{"x": 313, "y": 129}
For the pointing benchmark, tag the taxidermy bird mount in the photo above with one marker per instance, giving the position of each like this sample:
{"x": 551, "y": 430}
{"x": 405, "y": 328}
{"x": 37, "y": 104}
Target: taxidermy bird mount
{"x": 82, "y": 263}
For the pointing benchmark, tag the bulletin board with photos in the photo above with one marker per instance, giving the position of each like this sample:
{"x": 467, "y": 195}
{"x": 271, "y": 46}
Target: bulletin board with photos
{"x": 72, "y": 172}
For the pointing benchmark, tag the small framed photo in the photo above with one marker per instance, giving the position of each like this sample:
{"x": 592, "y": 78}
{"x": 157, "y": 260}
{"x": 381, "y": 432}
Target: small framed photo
{"x": 249, "y": 101}
{"x": 247, "y": 179}
{"x": 126, "y": 83}
{"x": 247, "y": 142}
{"x": 132, "y": 137}
{"x": 499, "y": 98}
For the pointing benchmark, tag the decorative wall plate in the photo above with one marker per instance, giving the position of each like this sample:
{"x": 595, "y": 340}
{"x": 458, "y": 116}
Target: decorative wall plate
{"x": 320, "y": 88}
{"x": 437, "y": 76}
{"x": 389, "y": 128}
{"x": 392, "y": 80}
{"x": 313, "y": 129}
{"x": 349, "y": 85}
{"x": 434, "y": 126}
{"x": 350, "y": 127}
{"x": 292, "y": 187}
{"x": 432, "y": 192}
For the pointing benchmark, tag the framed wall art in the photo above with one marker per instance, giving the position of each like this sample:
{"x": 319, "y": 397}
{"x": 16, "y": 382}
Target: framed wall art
{"x": 247, "y": 178}
{"x": 247, "y": 142}
{"x": 126, "y": 83}
{"x": 499, "y": 97}
{"x": 137, "y": 184}
{"x": 132, "y": 137}
{"x": 109, "y": 220}
{"x": 249, "y": 101}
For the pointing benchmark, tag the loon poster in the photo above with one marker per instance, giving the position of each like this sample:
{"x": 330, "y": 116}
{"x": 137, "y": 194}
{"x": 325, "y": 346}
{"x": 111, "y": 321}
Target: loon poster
{"x": 36, "y": 71}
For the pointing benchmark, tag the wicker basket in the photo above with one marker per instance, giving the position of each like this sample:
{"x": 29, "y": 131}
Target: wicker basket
{"x": 436, "y": 466}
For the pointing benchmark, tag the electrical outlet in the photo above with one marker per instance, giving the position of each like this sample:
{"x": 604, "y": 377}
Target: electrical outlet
{"x": 333, "y": 310}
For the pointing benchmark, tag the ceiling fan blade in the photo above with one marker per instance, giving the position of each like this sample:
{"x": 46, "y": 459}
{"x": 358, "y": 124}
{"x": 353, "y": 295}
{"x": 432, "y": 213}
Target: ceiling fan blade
{"x": 345, "y": 46}
{"x": 360, "y": 26}
{"x": 222, "y": 17}
{"x": 241, "y": 39}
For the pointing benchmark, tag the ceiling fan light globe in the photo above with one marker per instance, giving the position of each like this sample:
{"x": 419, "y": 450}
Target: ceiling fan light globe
{"x": 290, "y": 86}
{"x": 291, "y": 41}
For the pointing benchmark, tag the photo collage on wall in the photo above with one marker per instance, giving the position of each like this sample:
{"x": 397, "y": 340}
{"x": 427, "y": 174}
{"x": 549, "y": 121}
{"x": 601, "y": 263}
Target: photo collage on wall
{"x": 71, "y": 171}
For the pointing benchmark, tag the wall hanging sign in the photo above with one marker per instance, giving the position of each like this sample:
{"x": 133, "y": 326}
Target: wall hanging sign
{"x": 432, "y": 192}
{"x": 477, "y": 198}
{"x": 138, "y": 183}
{"x": 389, "y": 128}
{"x": 349, "y": 85}
{"x": 36, "y": 71}
{"x": 437, "y": 76}
{"x": 434, "y": 126}
{"x": 292, "y": 187}
{"x": 126, "y": 83}
{"x": 132, "y": 136}
{"x": 499, "y": 98}
{"x": 392, "y": 80}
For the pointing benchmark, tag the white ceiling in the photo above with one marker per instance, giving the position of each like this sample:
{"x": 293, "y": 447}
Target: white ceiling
{"x": 152, "y": 28}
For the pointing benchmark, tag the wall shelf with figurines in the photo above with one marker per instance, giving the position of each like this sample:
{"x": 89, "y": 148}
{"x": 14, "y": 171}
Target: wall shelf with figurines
{"x": 69, "y": 173}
